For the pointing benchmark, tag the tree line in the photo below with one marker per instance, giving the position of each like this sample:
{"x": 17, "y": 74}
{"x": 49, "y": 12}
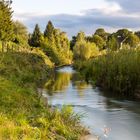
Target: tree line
{"x": 55, "y": 43}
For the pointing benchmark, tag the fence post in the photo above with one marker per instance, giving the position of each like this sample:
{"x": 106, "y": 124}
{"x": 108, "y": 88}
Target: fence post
{"x": 2, "y": 46}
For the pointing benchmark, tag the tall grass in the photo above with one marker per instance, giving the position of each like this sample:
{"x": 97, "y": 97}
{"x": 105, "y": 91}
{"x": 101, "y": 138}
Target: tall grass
{"x": 23, "y": 115}
{"x": 117, "y": 71}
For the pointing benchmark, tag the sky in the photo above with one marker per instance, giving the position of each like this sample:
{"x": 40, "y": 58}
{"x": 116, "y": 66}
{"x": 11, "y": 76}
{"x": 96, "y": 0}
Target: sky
{"x": 73, "y": 16}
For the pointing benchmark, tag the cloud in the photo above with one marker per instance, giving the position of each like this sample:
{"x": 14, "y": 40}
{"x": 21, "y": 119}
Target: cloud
{"x": 114, "y": 15}
{"x": 128, "y": 5}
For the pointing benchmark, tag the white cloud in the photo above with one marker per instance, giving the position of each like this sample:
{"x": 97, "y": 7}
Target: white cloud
{"x": 111, "y": 15}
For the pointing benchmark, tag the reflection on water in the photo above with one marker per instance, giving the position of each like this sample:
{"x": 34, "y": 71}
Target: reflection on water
{"x": 59, "y": 82}
{"x": 102, "y": 111}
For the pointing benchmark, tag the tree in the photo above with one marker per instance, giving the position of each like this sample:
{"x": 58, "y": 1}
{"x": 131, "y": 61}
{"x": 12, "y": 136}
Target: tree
{"x": 80, "y": 36}
{"x": 66, "y": 53}
{"x": 20, "y": 32}
{"x": 36, "y": 37}
{"x": 84, "y": 50}
{"x": 122, "y": 35}
{"x": 101, "y": 32}
{"x": 64, "y": 40}
{"x": 72, "y": 42}
{"x": 56, "y": 45}
{"x": 99, "y": 38}
{"x": 121, "y": 38}
{"x": 113, "y": 43}
{"x": 6, "y": 23}
{"x": 99, "y": 41}
{"x": 49, "y": 32}
{"x": 132, "y": 40}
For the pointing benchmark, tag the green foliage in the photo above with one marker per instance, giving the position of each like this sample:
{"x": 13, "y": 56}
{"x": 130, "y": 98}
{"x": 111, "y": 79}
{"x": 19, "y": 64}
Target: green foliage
{"x": 99, "y": 38}
{"x": 99, "y": 41}
{"x": 80, "y": 36}
{"x": 18, "y": 66}
{"x": 49, "y": 31}
{"x": 122, "y": 34}
{"x": 46, "y": 59}
{"x": 6, "y": 24}
{"x": 101, "y": 32}
{"x": 36, "y": 38}
{"x": 20, "y": 32}
{"x": 23, "y": 114}
{"x": 84, "y": 50}
{"x": 121, "y": 37}
{"x": 132, "y": 40}
{"x": 72, "y": 42}
{"x": 113, "y": 43}
{"x": 116, "y": 71}
{"x": 56, "y": 45}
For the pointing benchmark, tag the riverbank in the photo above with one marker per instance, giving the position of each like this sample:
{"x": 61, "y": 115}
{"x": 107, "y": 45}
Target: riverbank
{"x": 101, "y": 111}
{"x": 23, "y": 114}
{"x": 117, "y": 72}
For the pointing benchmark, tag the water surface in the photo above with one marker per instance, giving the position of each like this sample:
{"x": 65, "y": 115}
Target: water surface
{"x": 119, "y": 117}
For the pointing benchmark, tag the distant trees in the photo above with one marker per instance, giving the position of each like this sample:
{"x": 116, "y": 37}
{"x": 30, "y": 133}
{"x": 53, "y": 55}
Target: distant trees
{"x": 122, "y": 38}
{"x": 80, "y": 36}
{"x": 35, "y": 38}
{"x": 113, "y": 43}
{"x": 133, "y": 40}
{"x": 102, "y": 33}
{"x": 99, "y": 41}
{"x": 57, "y": 45}
{"x": 53, "y": 42}
{"x": 83, "y": 49}
{"x": 49, "y": 31}
{"x": 99, "y": 38}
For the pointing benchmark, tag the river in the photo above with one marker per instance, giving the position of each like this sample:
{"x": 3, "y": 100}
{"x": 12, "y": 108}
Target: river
{"x": 111, "y": 118}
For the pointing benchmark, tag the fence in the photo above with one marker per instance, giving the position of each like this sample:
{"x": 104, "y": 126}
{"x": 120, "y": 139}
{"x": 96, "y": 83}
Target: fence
{"x": 13, "y": 47}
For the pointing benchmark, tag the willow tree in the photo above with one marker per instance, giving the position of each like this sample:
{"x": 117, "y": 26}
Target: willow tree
{"x": 83, "y": 49}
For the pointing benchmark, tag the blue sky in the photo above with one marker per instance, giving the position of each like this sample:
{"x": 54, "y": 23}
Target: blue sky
{"x": 76, "y": 15}
{"x": 55, "y": 6}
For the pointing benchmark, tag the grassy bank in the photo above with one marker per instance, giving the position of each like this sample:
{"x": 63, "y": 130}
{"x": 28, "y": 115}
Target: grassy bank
{"x": 118, "y": 72}
{"x": 23, "y": 115}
